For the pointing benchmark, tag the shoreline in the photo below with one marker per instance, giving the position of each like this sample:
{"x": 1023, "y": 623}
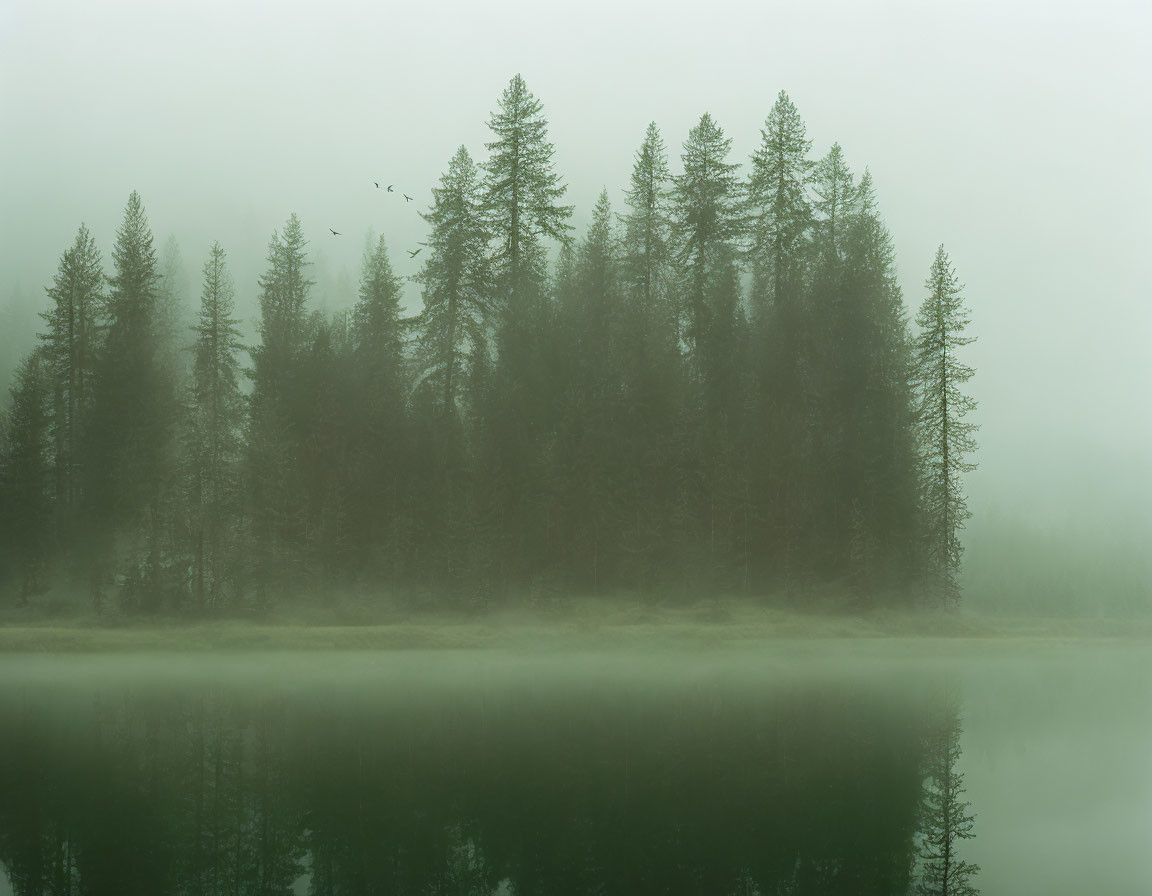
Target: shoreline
{"x": 577, "y": 628}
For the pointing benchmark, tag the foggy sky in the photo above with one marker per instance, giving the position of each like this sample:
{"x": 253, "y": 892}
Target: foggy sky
{"x": 1016, "y": 137}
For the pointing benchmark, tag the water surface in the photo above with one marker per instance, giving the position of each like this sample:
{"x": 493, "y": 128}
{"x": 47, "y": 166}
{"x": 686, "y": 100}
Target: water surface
{"x": 787, "y": 768}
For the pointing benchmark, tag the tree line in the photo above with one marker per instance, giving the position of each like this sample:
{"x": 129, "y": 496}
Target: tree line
{"x": 715, "y": 389}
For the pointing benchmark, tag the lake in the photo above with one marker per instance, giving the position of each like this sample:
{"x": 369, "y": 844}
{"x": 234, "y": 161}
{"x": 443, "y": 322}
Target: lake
{"x": 786, "y": 767}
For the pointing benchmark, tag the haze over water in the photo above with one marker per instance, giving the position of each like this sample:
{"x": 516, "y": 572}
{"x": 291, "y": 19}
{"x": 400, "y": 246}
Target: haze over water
{"x": 680, "y": 771}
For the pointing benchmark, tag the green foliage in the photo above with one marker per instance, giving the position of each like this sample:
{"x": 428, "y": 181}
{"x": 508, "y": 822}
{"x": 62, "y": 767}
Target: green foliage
{"x": 716, "y": 390}
{"x": 708, "y": 224}
{"x": 522, "y": 189}
{"x": 279, "y": 405}
{"x": 946, "y": 438}
{"x": 72, "y": 342}
{"x": 781, "y": 215}
{"x": 26, "y": 475}
{"x": 215, "y": 422}
{"x": 457, "y": 281}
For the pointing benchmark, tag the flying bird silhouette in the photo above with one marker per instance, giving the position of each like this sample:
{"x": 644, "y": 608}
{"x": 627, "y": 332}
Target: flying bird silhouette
{"x": 389, "y": 188}
{"x": 377, "y": 185}
{"x": 412, "y": 254}
{"x": 407, "y": 198}
{"x": 335, "y": 232}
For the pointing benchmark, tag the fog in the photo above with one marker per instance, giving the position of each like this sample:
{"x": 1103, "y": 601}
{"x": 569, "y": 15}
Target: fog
{"x": 768, "y": 760}
{"x": 1016, "y": 137}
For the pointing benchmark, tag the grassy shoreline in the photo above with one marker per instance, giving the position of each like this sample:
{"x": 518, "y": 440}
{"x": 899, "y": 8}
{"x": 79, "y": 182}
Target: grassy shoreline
{"x": 578, "y": 626}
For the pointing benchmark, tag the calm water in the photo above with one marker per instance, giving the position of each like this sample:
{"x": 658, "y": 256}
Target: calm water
{"x": 788, "y": 769}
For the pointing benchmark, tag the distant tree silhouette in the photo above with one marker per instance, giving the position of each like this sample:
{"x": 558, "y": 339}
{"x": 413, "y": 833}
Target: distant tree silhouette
{"x": 947, "y": 439}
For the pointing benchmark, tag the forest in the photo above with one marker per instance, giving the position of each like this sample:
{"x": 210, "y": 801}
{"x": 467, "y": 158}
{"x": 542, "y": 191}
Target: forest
{"x": 717, "y": 389}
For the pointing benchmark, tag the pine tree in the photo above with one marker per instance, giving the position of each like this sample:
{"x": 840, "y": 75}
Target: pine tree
{"x": 216, "y": 412}
{"x": 586, "y": 452}
{"x": 522, "y": 191}
{"x": 380, "y": 444}
{"x": 780, "y": 213}
{"x": 279, "y": 404}
{"x": 650, "y": 359}
{"x": 836, "y": 195}
{"x": 134, "y": 414}
{"x": 831, "y": 368}
{"x": 647, "y": 228}
{"x": 945, "y": 819}
{"x": 71, "y": 349}
{"x": 457, "y": 284}
{"x": 133, "y": 401}
{"x": 945, "y": 436}
{"x": 26, "y": 473}
{"x": 875, "y": 399}
{"x": 781, "y": 352}
{"x": 708, "y": 225}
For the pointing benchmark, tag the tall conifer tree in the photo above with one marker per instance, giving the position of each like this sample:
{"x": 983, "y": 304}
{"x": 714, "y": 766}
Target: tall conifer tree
{"x": 780, "y": 214}
{"x": 133, "y": 473}
{"x": 380, "y": 446}
{"x": 647, "y": 229}
{"x": 71, "y": 348}
{"x": 457, "y": 284}
{"x": 947, "y": 438}
{"x": 280, "y": 403}
{"x": 708, "y": 225}
{"x": 216, "y": 416}
{"x": 523, "y": 191}
{"x": 523, "y": 194}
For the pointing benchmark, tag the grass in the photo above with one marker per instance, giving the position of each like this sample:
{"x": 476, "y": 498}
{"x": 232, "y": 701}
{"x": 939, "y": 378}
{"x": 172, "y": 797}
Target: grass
{"x": 572, "y": 624}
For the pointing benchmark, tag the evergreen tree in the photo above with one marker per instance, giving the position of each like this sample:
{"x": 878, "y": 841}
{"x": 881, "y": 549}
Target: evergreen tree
{"x": 71, "y": 349}
{"x": 522, "y": 198}
{"x": 832, "y": 368}
{"x": 522, "y": 191}
{"x": 26, "y": 473}
{"x": 650, "y": 359}
{"x": 708, "y": 225}
{"x": 134, "y": 414}
{"x": 780, "y": 213}
{"x": 945, "y": 819}
{"x": 457, "y": 284}
{"x": 586, "y": 453}
{"x": 875, "y": 399}
{"x": 279, "y": 404}
{"x": 216, "y": 415}
{"x": 380, "y": 444}
{"x": 647, "y": 228}
{"x": 779, "y": 433}
{"x": 836, "y": 195}
{"x": 947, "y": 439}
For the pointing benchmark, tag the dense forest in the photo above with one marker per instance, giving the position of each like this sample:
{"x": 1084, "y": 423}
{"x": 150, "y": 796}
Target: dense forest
{"x": 715, "y": 389}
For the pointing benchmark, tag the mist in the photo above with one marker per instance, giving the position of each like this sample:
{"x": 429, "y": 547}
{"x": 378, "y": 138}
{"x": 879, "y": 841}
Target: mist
{"x": 730, "y": 475}
{"x": 1002, "y": 133}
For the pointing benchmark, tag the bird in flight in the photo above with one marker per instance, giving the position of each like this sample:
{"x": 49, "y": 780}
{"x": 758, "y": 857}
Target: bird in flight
{"x": 335, "y": 232}
{"x": 377, "y": 185}
{"x": 412, "y": 254}
{"x": 389, "y": 187}
{"x": 407, "y": 198}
